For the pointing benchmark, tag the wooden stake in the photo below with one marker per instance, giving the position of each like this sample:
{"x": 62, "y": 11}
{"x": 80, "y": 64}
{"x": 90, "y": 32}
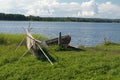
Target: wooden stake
{"x": 45, "y": 54}
{"x": 60, "y": 39}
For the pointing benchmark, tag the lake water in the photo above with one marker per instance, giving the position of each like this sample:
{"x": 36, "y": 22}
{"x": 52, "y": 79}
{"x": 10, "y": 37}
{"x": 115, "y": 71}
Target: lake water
{"x": 87, "y": 34}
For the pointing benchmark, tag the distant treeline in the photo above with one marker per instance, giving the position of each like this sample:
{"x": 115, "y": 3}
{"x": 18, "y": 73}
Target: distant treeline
{"x": 20, "y": 17}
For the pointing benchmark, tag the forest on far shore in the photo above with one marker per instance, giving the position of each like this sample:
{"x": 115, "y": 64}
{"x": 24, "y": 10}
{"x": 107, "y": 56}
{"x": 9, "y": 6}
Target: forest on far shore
{"x": 21, "y": 17}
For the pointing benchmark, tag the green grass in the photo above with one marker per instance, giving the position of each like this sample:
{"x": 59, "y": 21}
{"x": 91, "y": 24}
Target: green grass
{"x": 101, "y": 62}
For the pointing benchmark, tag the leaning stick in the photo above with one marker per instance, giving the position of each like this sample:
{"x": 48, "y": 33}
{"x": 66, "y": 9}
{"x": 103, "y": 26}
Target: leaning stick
{"x": 45, "y": 54}
{"x": 23, "y": 54}
{"x": 20, "y": 44}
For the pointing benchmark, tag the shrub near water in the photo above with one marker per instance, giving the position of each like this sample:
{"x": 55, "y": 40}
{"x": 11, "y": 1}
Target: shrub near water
{"x": 95, "y": 63}
{"x": 8, "y": 39}
{"x": 11, "y": 39}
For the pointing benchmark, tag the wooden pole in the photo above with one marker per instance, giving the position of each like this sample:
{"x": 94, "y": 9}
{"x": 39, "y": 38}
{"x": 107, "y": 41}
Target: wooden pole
{"x": 20, "y": 44}
{"x": 60, "y": 39}
{"x": 45, "y": 54}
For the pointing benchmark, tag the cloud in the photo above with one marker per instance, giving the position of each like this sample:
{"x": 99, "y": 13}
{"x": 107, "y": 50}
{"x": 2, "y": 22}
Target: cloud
{"x": 41, "y": 8}
{"x": 51, "y": 8}
{"x": 14, "y": 6}
{"x": 90, "y": 8}
{"x": 69, "y": 6}
{"x": 108, "y": 9}
{"x": 96, "y": 10}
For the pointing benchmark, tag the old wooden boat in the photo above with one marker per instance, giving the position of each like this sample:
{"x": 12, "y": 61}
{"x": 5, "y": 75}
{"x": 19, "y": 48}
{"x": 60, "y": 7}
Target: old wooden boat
{"x": 65, "y": 40}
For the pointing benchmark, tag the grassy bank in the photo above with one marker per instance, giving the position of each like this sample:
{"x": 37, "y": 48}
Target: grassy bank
{"x": 94, "y": 63}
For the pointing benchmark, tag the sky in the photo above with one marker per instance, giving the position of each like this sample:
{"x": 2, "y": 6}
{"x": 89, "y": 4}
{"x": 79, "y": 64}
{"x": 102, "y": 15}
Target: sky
{"x": 63, "y": 8}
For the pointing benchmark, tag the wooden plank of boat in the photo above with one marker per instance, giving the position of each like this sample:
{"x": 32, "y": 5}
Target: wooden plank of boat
{"x": 65, "y": 40}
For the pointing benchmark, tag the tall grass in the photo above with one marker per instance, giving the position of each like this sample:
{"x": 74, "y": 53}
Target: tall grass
{"x": 7, "y": 39}
{"x": 95, "y": 63}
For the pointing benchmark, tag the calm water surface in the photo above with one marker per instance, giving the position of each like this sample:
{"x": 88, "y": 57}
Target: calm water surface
{"x": 87, "y": 34}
